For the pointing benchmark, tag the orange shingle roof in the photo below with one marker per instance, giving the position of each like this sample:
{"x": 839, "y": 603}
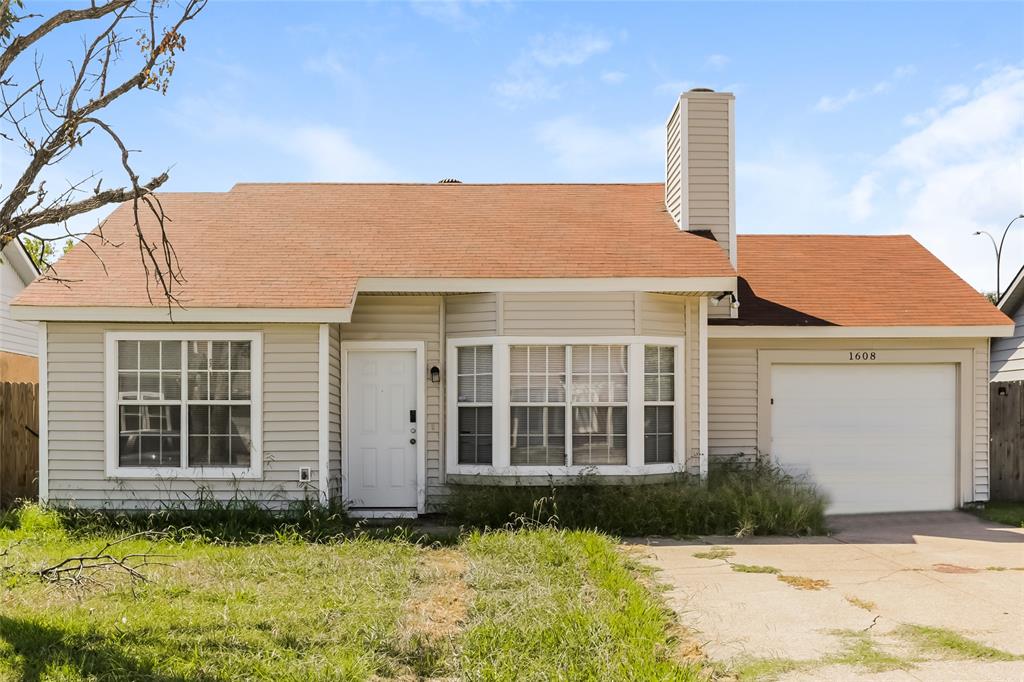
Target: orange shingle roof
{"x": 852, "y": 281}
{"x": 306, "y": 245}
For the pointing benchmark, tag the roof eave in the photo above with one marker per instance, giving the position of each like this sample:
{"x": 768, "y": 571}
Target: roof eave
{"x": 45, "y": 313}
{"x": 859, "y": 331}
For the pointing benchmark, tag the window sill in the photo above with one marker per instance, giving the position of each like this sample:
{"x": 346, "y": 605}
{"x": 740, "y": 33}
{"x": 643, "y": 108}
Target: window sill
{"x": 567, "y": 471}
{"x": 193, "y": 474}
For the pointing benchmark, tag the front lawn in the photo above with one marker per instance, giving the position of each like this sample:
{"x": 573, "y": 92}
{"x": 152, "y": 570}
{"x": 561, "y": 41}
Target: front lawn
{"x": 1010, "y": 513}
{"x": 527, "y": 604}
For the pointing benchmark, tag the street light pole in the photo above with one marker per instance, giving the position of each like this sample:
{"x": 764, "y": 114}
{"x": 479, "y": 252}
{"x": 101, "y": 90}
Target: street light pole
{"x": 999, "y": 251}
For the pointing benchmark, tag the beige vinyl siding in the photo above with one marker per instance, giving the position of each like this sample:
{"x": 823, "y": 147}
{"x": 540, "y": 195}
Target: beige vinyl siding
{"x": 732, "y": 403}
{"x": 75, "y": 356}
{"x": 471, "y": 315}
{"x": 1008, "y": 353}
{"x": 571, "y": 314}
{"x": 732, "y": 382}
{"x": 409, "y": 318}
{"x": 15, "y": 336}
{"x": 708, "y": 162}
{"x": 334, "y": 412}
{"x": 674, "y": 164}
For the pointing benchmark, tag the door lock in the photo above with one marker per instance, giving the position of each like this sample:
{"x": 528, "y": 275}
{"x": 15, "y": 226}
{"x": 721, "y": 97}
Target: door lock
{"x": 412, "y": 441}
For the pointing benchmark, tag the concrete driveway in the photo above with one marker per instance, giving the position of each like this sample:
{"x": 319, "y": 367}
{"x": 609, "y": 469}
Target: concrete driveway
{"x": 846, "y": 606}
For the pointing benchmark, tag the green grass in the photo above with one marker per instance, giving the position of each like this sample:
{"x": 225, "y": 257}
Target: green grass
{"x": 1010, "y": 513}
{"x": 750, "y": 568}
{"x": 524, "y": 604}
{"x": 758, "y": 501}
{"x": 949, "y": 643}
{"x": 563, "y": 605}
{"x": 862, "y": 651}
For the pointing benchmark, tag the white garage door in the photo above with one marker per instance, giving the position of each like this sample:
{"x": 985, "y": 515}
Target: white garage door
{"x": 876, "y": 438}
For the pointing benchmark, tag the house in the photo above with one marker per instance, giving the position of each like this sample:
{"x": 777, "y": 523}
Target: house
{"x": 1008, "y": 352}
{"x": 379, "y": 343}
{"x": 19, "y": 344}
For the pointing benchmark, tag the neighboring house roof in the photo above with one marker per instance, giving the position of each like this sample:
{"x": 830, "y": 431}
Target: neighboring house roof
{"x": 843, "y": 280}
{"x": 306, "y": 245}
{"x": 1014, "y": 295}
{"x": 20, "y": 260}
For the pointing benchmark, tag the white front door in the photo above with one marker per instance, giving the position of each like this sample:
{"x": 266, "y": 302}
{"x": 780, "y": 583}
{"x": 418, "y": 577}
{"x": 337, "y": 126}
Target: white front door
{"x": 381, "y": 429}
{"x": 877, "y": 438}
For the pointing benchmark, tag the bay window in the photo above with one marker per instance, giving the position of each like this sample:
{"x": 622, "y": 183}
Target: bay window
{"x": 183, "y": 404}
{"x": 607, "y": 405}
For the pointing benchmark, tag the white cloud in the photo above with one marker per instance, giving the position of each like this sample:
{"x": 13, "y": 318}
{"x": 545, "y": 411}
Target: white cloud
{"x": 560, "y": 49}
{"x": 527, "y": 78}
{"x": 861, "y": 196}
{"x": 962, "y": 172}
{"x": 613, "y": 77}
{"x": 716, "y": 61}
{"x": 829, "y": 104}
{"x": 455, "y": 14}
{"x": 597, "y": 153}
{"x": 324, "y": 153}
{"x": 674, "y": 87}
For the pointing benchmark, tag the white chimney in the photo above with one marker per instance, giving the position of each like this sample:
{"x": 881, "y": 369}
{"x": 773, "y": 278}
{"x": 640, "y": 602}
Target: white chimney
{"x": 700, "y": 166}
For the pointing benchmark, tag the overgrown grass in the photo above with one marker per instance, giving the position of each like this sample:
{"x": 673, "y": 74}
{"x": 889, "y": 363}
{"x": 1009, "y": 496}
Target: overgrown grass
{"x": 301, "y": 602}
{"x": 205, "y": 518}
{"x": 563, "y": 605}
{"x": 759, "y": 501}
{"x": 1010, "y": 513}
{"x": 952, "y": 644}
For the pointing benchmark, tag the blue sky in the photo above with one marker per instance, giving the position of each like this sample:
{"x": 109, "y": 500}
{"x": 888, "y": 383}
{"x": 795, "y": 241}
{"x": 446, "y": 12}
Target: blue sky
{"x": 851, "y": 118}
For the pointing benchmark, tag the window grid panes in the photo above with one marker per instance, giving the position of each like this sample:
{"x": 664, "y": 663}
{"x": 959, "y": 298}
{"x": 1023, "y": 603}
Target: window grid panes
{"x": 659, "y": 405}
{"x": 475, "y": 381}
{"x": 537, "y": 395}
{"x": 600, "y": 394}
{"x": 216, "y": 428}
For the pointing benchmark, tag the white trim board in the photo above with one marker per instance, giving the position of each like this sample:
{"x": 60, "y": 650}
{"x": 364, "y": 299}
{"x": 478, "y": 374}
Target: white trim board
{"x": 156, "y": 314}
{"x": 323, "y": 412}
{"x": 545, "y": 284}
{"x": 110, "y": 401}
{"x": 44, "y": 417}
{"x": 421, "y": 412}
{"x": 779, "y": 332}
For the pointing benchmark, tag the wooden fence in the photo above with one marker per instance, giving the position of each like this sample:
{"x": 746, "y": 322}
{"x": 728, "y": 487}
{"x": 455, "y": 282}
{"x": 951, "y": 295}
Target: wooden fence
{"x": 1006, "y": 454}
{"x": 19, "y": 442}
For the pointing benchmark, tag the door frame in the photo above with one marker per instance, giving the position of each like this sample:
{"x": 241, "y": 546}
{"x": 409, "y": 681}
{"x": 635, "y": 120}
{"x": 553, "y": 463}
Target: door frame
{"x": 421, "y": 401}
{"x": 962, "y": 360}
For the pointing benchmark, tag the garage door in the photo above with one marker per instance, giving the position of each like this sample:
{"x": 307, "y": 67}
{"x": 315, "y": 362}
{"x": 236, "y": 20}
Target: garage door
{"x": 876, "y": 438}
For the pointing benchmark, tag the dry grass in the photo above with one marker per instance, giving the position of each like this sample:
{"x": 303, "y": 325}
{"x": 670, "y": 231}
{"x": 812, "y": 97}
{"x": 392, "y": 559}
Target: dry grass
{"x": 716, "y": 553}
{"x": 748, "y": 568}
{"x": 434, "y": 614}
{"x": 862, "y": 603}
{"x": 802, "y": 583}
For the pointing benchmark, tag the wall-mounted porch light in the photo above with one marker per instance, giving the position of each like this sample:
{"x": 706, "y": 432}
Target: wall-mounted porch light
{"x": 435, "y": 375}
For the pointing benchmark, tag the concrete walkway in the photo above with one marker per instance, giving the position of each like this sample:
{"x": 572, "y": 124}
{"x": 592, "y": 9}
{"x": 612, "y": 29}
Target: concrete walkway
{"x": 882, "y": 572}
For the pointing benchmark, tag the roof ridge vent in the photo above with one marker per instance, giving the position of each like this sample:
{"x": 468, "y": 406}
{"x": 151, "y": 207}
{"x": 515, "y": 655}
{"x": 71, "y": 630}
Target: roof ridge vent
{"x": 449, "y": 181}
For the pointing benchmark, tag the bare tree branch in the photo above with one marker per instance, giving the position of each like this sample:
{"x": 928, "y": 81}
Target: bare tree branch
{"x": 63, "y": 116}
{"x": 68, "y": 16}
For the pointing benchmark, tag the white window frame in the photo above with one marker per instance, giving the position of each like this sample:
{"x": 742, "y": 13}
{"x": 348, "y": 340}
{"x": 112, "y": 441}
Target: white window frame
{"x": 113, "y": 467}
{"x": 500, "y": 458}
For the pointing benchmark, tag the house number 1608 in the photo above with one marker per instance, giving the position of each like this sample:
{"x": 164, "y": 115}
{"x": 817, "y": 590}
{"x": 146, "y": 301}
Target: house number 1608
{"x": 864, "y": 355}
